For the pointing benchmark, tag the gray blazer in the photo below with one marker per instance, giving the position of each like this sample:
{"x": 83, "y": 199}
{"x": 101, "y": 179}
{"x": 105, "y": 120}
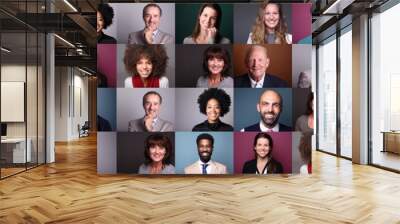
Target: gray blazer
{"x": 160, "y": 38}
{"x": 160, "y": 125}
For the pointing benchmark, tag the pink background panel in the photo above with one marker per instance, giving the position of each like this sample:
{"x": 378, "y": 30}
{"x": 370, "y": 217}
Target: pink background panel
{"x": 301, "y": 21}
{"x": 107, "y": 62}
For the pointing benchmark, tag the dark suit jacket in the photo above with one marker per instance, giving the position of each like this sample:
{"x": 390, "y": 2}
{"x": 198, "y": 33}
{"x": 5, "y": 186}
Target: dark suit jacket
{"x": 103, "y": 124}
{"x": 256, "y": 127}
{"x": 273, "y": 166}
{"x": 270, "y": 81}
{"x": 105, "y": 39}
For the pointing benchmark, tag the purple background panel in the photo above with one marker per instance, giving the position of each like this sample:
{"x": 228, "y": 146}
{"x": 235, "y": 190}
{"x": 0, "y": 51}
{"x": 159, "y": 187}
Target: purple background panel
{"x": 243, "y": 149}
{"x": 107, "y": 63}
{"x": 301, "y": 21}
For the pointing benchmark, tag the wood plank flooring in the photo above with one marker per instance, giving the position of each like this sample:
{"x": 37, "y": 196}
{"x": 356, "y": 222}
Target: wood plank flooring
{"x": 70, "y": 191}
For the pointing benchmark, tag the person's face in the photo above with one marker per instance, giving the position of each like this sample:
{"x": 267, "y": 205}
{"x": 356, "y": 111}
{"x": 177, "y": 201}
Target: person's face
{"x": 258, "y": 62}
{"x": 205, "y": 150}
{"x": 152, "y": 18}
{"x": 100, "y": 22}
{"x": 269, "y": 108}
{"x": 271, "y": 16}
{"x": 208, "y": 18}
{"x": 304, "y": 81}
{"x": 216, "y": 65}
{"x": 144, "y": 67}
{"x": 157, "y": 153}
{"x": 213, "y": 110}
{"x": 262, "y": 147}
{"x": 152, "y": 105}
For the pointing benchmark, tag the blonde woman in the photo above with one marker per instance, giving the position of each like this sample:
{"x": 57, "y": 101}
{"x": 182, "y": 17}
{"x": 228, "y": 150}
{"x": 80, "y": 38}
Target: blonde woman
{"x": 270, "y": 26}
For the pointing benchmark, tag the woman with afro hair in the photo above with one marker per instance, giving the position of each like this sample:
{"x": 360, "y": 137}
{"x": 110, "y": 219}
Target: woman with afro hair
{"x": 147, "y": 64}
{"x": 214, "y": 103}
{"x": 105, "y": 16}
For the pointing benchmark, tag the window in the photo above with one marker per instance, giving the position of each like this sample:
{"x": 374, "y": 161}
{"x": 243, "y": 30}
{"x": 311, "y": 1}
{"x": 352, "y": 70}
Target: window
{"x": 327, "y": 96}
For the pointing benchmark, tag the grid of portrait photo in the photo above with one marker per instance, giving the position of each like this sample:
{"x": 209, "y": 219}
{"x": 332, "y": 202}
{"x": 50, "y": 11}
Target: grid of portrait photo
{"x": 204, "y": 88}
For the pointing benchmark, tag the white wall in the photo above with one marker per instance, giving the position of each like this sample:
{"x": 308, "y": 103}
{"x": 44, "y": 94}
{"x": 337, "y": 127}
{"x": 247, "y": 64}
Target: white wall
{"x": 70, "y": 83}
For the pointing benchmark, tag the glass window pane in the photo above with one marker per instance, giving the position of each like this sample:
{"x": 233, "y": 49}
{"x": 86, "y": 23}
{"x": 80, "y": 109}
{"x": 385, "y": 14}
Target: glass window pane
{"x": 385, "y": 89}
{"x": 13, "y": 86}
{"x": 346, "y": 94}
{"x": 327, "y": 96}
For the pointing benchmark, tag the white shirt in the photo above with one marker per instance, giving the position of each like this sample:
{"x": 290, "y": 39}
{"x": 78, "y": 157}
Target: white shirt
{"x": 153, "y": 123}
{"x": 163, "y": 82}
{"x": 153, "y": 36}
{"x": 258, "y": 84}
{"x": 207, "y": 168}
{"x": 266, "y": 129}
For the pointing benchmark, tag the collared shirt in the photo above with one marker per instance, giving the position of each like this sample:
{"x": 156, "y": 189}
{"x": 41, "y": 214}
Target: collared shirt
{"x": 255, "y": 84}
{"x": 155, "y": 32}
{"x": 201, "y": 166}
{"x": 152, "y": 123}
{"x": 266, "y": 129}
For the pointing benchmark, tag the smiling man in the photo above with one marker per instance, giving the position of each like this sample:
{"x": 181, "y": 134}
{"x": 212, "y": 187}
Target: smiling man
{"x": 151, "y": 34}
{"x": 257, "y": 63}
{"x": 151, "y": 121}
{"x": 205, "y": 146}
{"x": 269, "y": 107}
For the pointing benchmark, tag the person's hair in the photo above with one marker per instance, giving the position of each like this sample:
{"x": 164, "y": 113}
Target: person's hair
{"x": 259, "y": 30}
{"x": 217, "y": 8}
{"x": 151, "y": 93}
{"x": 205, "y": 136}
{"x": 305, "y": 148}
{"x": 224, "y": 100}
{"x": 219, "y": 53}
{"x": 251, "y": 49}
{"x": 151, "y": 5}
{"x": 270, "y": 143}
{"x": 310, "y": 98}
{"x": 301, "y": 74}
{"x": 107, "y": 12}
{"x": 161, "y": 141}
{"x": 155, "y": 53}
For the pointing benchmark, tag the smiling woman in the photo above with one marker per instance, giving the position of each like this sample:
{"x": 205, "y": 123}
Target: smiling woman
{"x": 147, "y": 64}
{"x": 216, "y": 64}
{"x": 263, "y": 163}
{"x": 157, "y": 154}
{"x": 206, "y": 30}
{"x": 214, "y": 103}
{"x": 270, "y": 26}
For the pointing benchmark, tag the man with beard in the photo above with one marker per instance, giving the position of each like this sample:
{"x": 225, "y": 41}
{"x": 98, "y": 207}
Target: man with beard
{"x": 151, "y": 121}
{"x": 205, "y": 145}
{"x": 151, "y": 34}
{"x": 270, "y": 108}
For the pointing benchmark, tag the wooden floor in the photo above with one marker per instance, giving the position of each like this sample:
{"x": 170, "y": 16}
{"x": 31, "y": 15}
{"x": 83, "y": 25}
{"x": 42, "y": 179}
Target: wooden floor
{"x": 70, "y": 191}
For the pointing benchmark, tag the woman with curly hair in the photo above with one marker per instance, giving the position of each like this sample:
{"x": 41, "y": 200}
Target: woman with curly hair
{"x": 216, "y": 64}
{"x": 206, "y": 30}
{"x": 263, "y": 163}
{"x": 105, "y": 15}
{"x": 147, "y": 64}
{"x": 214, "y": 103}
{"x": 270, "y": 26}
